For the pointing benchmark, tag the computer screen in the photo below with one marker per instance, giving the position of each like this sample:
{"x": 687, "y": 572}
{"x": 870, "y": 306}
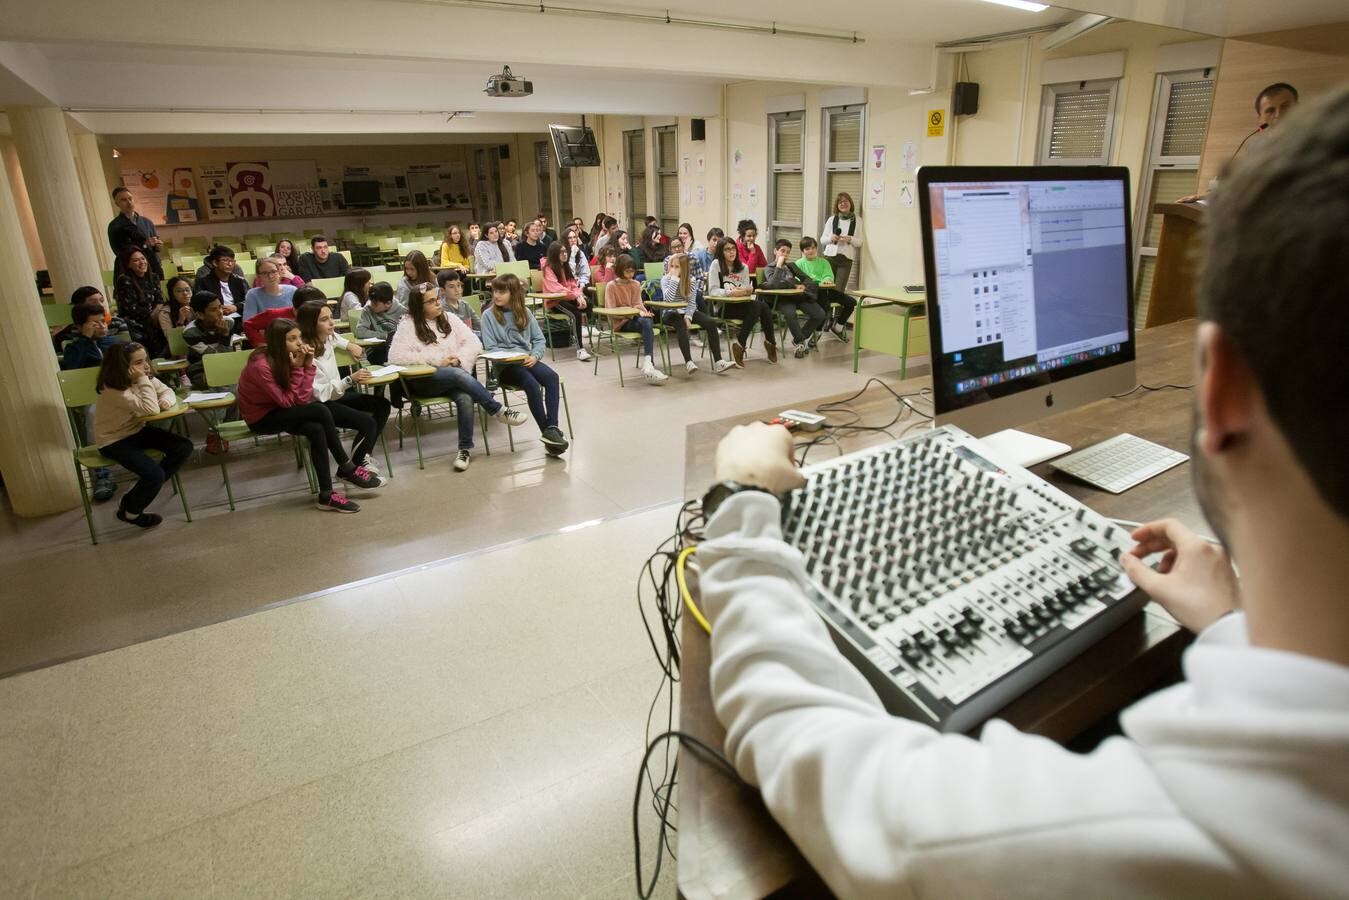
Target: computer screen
{"x": 574, "y": 146}
{"x": 1029, "y": 278}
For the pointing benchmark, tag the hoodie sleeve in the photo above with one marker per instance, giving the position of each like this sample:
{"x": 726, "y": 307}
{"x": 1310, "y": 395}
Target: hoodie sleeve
{"x": 164, "y": 394}
{"x": 469, "y": 347}
{"x": 535, "y": 336}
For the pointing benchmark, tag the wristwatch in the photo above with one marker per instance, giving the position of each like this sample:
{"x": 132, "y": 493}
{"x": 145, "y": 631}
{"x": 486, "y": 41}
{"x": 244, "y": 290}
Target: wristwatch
{"x": 718, "y": 493}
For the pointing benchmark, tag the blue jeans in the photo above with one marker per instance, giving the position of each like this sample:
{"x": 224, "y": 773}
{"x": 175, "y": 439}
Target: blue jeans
{"x": 541, "y": 388}
{"x": 642, "y": 324}
{"x": 465, "y": 390}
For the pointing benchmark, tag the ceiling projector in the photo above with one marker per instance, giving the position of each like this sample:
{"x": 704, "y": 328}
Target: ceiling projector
{"x": 507, "y": 85}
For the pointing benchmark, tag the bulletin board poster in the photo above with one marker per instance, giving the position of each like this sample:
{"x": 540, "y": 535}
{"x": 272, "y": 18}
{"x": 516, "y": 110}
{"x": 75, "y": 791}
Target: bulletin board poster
{"x": 216, "y": 192}
{"x": 250, "y": 186}
{"x": 183, "y": 207}
{"x": 150, "y": 189}
{"x": 330, "y": 188}
{"x": 393, "y": 184}
{"x": 295, "y": 187}
{"x": 439, "y": 186}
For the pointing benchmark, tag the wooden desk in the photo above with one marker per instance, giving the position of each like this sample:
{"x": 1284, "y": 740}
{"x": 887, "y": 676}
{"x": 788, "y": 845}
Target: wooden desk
{"x": 728, "y": 844}
{"x": 909, "y": 307}
{"x": 1173, "y": 280}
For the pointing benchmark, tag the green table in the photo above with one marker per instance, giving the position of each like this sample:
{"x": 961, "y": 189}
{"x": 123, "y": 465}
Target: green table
{"x": 891, "y": 302}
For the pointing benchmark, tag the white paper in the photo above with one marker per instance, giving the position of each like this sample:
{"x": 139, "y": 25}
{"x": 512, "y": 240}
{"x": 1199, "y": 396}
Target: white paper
{"x": 702, "y": 195}
{"x": 502, "y": 354}
{"x": 737, "y": 158}
{"x": 877, "y": 157}
{"x": 684, "y": 165}
{"x": 910, "y": 155}
{"x": 384, "y": 370}
{"x": 701, "y": 162}
{"x": 876, "y": 195}
{"x": 753, "y": 195}
{"x": 737, "y": 192}
{"x": 204, "y": 397}
{"x": 906, "y": 193}
{"x": 684, "y": 195}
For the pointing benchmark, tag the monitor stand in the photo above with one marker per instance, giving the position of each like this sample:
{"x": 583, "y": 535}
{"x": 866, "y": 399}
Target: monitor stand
{"x": 1023, "y": 449}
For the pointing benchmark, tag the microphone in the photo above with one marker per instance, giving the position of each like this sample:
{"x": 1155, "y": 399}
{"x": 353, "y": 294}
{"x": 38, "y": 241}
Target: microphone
{"x": 1263, "y": 126}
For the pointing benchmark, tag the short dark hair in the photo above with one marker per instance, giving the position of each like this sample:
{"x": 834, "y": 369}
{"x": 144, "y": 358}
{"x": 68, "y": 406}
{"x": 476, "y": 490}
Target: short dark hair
{"x": 807, "y": 242}
{"x": 201, "y": 300}
{"x": 715, "y": 233}
{"x": 304, "y": 295}
{"x": 610, "y": 221}
{"x": 83, "y": 312}
{"x": 1273, "y": 245}
{"x": 623, "y": 263}
{"x": 316, "y": 239}
{"x": 219, "y": 251}
{"x": 782, "y": 242}
{"x": 120, "y": 189}
{"x": 445, "y": 276}
{"x": 382, "y": 292}
{"x": 81, "y": 294}
{"x": 745, "y": 225}
{"x": 1274, "y": 88}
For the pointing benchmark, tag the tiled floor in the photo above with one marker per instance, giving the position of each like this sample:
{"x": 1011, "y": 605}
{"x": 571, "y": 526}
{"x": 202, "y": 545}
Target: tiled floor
{"x": 63, "y": 598}
{"x": 471, "y": 729}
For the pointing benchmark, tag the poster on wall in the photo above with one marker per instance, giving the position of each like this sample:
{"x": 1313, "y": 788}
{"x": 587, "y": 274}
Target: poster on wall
{"x": 330, "y": 188}
{"x": 150, "y": 189}
{"x": 439, "y": 186}
{"x": 393, "y": 184}
{"x": 215, "y": 190}
{"x": 250, "y": 185}
{"x": 182, "y": 208}
{"x": 295, "y": 186}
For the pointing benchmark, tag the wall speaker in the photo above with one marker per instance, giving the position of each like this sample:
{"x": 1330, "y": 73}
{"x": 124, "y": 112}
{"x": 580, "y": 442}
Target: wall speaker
{"x": 699, "y": 128}
{"x": 504, "y": 150}
{"x": 965, "y": 99}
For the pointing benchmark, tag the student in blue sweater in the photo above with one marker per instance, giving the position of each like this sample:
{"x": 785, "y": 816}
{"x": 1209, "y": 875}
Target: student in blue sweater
{"x": 502, "y": 329}
{"x": 86, "y": 351}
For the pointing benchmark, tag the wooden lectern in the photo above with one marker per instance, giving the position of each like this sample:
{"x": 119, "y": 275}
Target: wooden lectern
{"x": 1173, "y": 280}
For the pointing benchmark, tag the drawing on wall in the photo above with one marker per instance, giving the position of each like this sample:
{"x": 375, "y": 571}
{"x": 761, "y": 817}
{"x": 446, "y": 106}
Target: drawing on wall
{"x": 183, "y": 207}
{"x": 216, "y": 190}
{"x": 906, "y": 193}
{"x": 250, "y": 187}
{"x": 876, "y": 195}
{"x": 150, "y": 190}
{"x": 910, "y": 156}
{"x": 878, "y": 158}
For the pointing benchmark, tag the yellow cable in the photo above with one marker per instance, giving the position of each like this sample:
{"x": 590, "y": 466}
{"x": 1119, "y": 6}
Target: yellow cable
{"x": 684, "y": 587}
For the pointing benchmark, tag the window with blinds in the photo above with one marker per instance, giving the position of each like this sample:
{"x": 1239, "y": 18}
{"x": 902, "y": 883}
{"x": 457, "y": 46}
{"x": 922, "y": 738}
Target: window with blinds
{"x": 844, "y": 137}
{"x": 1077, "y": 123}
{"x": 634, "y": 159}
{"x": 786, "y": 177}
{"x": 543, "y": 168}
{"x": 1181, "y": 107}
{"x": 666, "y": 141}
{"x": 564, "y": 203}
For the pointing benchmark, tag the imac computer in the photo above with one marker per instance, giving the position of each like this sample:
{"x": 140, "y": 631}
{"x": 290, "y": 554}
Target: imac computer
{"x": 1030, "y": 300}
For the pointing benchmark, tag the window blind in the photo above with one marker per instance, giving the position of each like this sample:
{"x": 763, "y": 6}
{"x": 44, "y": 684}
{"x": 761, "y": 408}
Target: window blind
{"x": 851, "y": 182}
{"x": 669, "y": 195}
{"x": 1079, "y": 125}
{"x": 789, "y": 193}
{"x": 845, "y": 137}
{"x": 787, "y": 143}
{"x": 666, "y": 149}
{"x": 1187, "y": 111}
{"x": 1168, "y": 185}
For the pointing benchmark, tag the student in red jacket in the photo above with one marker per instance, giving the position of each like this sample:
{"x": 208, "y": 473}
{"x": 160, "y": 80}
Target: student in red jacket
{"x": 276, "y": 394}
{"x": 750, "y": 253}
{"x": 558, "y": 278}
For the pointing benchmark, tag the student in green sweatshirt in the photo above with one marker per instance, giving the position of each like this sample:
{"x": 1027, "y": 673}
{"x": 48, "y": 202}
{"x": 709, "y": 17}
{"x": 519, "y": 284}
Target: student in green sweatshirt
{"x": 817, "y": 268}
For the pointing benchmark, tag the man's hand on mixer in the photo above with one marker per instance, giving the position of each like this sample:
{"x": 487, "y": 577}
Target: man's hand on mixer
{"x": 760, "y": 455}
{"x": 1194, "y": 581}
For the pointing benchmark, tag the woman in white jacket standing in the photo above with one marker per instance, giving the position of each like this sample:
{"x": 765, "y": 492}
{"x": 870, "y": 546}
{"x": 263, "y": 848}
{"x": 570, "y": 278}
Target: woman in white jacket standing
{"x": 428, "y": 337}
{"x": 841, "y": 237}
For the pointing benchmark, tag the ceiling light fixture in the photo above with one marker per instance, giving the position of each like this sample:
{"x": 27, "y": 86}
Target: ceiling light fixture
{"x": 1021, "y": 4}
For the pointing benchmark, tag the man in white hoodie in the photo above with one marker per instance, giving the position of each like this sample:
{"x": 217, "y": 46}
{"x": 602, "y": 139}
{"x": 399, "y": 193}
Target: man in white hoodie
{"x": 1233, "y": 783}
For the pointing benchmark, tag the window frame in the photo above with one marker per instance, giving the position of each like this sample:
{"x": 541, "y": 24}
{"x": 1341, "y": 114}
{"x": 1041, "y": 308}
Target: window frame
{"x": 634, "y": 176}
{"x": 826, "y": 199}
{"x": 543, "y": 174}
{"x": 775, "y": 168}
{"x": 665, "y": 169}
{"x": 1047, "y": 102}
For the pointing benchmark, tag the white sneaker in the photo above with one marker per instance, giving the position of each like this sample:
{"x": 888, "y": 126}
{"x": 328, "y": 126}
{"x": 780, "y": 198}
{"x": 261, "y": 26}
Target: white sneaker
{"x": 462, "y": 460}
{"x": 583, "y": 354}
{"x": 654, "y": 375}
{"x": 722, "y": 365}
{"x": 513, "y": 417}
{"x": 691, "y": 367}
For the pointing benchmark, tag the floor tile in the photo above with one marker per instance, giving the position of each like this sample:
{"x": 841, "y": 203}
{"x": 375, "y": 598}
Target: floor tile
{"x": 174, "y": 866}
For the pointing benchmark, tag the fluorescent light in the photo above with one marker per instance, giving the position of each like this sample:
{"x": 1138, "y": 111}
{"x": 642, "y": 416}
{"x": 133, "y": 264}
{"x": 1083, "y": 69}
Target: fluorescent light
{"x": 1021, "y": 4}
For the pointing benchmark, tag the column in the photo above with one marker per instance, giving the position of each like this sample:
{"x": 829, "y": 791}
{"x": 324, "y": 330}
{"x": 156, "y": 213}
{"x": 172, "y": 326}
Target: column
{"x": 48, "y": 162}
{"x": 97, "y": 193}
{"x": 34, "y": 434}
{"x": 10, "y": 163}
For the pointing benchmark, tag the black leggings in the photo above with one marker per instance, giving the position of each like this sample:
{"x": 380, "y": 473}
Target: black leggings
{"x": 846, "y": 303}
{"x": 314, "y": 423}
{"x": 674, "y": 318}
{"x": 747, "y": 313}
{"x": 130, "y": 453}
{"x": 572, "y": 308}
{"x": 364, "y": 414}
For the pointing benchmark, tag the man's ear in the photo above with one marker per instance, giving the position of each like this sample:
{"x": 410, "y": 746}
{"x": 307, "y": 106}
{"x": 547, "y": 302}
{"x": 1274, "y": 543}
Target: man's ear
{"x": 1226, "y": 392}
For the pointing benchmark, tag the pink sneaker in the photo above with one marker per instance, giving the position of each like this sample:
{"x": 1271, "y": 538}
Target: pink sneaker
{"x": 338, "y": 503}
{"x": 362, "y": 477}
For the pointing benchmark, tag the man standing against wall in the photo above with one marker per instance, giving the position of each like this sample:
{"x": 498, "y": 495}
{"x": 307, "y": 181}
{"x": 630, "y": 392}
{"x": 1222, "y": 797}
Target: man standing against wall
{"x": 131, "y": 229}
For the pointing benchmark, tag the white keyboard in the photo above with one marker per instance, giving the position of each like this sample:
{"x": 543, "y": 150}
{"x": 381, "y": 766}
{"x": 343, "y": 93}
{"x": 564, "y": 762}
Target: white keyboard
{"x": 1119, "y": 463}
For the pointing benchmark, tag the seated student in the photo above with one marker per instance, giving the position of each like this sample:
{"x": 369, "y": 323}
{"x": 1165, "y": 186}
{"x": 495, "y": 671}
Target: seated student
{"x": 492, "y": 249}
{"x": 729, "y": 277}
{"x": 288, "y": 277}
{"x": 210, "y": 332}
{"x": 602, "y": 266}
{"x": 379, "y": 320}
{"x": 255, "y": 329}
{"x": 272, "y": 295}
{"x": 88, "y": 293}
{"x": 128, "y": 391}
{"x": 454, "y": 250}
{"x": 416, "y": 271}
{"x": 221, "y": 279}
{"x": 580, "y": 225}
{"x": 137, "y": 294}
{"x": 822, "y": 271}
{"x": 576, "y": 257}
{"x": 678, "y": 285}
{"x": 751, "y": 254}
{"x": 782, "y": 274}
{"x": 176, "y": 311}
{"x": 363, "y": 413}
{"x": 355, "y": 290}
{"x": 321, "y": 261}
{"x": 558, "y": 279}
{"x": 451, "y": 284}
{"x": 619, "y": 241}
{"x": 532, "y": 249}
{"x": 597, "y": 228}
{"x": 509, "y": 326}
{"x": 653, "y": 247}
{"x": 285, "y": 248}
{"x": 427, "y": 336}
{"x": 548, "y": 235}
{"x": 624, "y": 291}
{"x": 508, "y": 231}
{"x": 474, "y": 235}
{"x": 602, "y": 235}
{"x": 276, "y": 394}
{"x": 648, "y": 222}
{"x": 85, "y": 351}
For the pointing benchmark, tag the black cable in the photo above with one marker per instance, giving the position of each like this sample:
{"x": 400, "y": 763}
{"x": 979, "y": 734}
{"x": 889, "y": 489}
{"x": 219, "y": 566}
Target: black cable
{"x": 1152, "y": 387}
